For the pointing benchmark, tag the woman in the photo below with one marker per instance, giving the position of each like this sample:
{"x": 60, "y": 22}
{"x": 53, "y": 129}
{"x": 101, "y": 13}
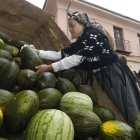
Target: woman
{"x": 92, "y": 52}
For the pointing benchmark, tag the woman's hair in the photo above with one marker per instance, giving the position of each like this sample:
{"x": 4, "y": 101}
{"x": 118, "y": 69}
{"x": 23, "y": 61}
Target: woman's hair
{"x": 123, "y": 58}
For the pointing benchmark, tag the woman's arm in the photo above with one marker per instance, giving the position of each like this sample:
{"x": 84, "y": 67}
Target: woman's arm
{"x": 66, "y": 63}
{"x": 50, "y": 55}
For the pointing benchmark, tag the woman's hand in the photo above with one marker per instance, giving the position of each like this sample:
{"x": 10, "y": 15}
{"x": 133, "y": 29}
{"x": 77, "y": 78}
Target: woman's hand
{"x": 43, "y": 68}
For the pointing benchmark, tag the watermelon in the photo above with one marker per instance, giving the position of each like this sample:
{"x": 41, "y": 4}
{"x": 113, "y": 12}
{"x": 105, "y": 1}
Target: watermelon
{"x": 3, "y": 61}
{"x": 27, "y": 79}
{"x": 89, "y": 91}
{"x": 50, "y": 124}
{"x": 1, "y": 117}
{"x": 137, "y": 124}
{"x": 4, "y": 37}
{"x": 5, "y": 54}
{"x": 3, "y": 138}
{"x": 9, "y": 74}
{"x": 86, "y": 123}
{"x": 46, "y": 80}
{"x": 75, "y": 100}
{"x": 29, "y": 58}
{"x": 17, "y": 43}
{"x": 104, "y": 113}
{"x": 68, "y": 74}
{"x": 49, "y": 98}
{"x": 2, "y": 44}
{"x": 117, "y": 130}
{"x": 20, "y": 110}
{"x": 11, "y": 49}
{"x": 64, "y": 85}
{"x": 17, "y": 60}
{"x": 5, "y": 97}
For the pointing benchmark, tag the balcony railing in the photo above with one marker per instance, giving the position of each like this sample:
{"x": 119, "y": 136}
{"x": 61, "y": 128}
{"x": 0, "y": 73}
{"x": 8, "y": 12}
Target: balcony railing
{"x": 122, "y": 46}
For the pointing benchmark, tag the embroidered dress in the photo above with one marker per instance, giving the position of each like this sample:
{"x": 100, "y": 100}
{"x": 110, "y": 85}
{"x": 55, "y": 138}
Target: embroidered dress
{"x": 98, "y": 60}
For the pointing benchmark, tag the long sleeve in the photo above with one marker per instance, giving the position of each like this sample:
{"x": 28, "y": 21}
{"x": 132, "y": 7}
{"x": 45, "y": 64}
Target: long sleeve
{"x": 66, "y": 63}
{"x": 50, "y": 55}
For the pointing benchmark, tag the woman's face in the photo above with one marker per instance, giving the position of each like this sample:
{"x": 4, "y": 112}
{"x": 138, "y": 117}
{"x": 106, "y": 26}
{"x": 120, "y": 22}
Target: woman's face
{"x": 76, "y": 29}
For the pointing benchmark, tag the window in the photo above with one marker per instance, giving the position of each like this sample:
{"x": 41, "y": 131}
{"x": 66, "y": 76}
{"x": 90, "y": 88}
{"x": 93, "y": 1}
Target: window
{"x": 121, "y": 44}
{"x": 118, "y": 38}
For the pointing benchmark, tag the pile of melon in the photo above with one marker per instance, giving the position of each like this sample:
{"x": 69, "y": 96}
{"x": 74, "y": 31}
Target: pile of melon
{"x": 51, "y": 106}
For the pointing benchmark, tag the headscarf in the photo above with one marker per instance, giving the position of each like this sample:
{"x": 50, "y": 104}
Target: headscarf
{"x": 80, "y": 18}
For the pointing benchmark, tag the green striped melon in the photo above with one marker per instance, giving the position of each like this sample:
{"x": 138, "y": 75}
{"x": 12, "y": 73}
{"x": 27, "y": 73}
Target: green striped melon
{"x": 68, "y": 74}
{"x": 46, "y": 80}
{"x": 3, "y": 138}
{"x": 5, "y": 97}
{"x": 4, "y": 37}
{"x": 17, "y": 43}
{"x": 64, "y": 85}
{"x": 86, "y": 89}
{"x": 8, "y": 75}
{"x": 86, "y": 123}
{"x": 20, "y": 110}
{"x": 3, "y": 61}
{"x": 49, "y": 98}
{"x": 26, "y": 79}
{"x": 5, "y": 54}
{"x": 50, "y": 124}
{"x": 137, "y": 124}
{"x": 1, "y": 117}
{"x": 29, "y": 58}
{"x": 104, "y": 113}
{"x": 75, "y": 100}
{"x": 12, "y": 50}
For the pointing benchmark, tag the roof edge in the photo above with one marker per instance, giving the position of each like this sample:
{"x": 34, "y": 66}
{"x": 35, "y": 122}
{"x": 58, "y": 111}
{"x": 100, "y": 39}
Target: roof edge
{"x": 89, "y": 3}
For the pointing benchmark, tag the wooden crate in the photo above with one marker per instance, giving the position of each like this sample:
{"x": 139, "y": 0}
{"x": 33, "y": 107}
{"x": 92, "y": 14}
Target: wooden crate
{"x": 23, "y": 21}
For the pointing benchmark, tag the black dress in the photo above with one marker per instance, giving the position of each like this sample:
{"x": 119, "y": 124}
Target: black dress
{"x": 114, "y": 76}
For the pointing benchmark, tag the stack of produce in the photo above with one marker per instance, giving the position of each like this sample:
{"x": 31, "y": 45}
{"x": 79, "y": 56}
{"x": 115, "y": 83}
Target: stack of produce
{"x": 51, "y": 106}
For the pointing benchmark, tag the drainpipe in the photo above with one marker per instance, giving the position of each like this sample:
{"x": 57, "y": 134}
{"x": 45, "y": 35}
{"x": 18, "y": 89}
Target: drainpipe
{"x": 45, "y": 3}
{"x": 67, "y": 12}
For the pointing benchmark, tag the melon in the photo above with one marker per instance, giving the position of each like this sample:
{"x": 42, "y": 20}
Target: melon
{"x": 9, "y": 74}
{"x": 27, "y": 79}
{"x": 104, "y": 113}
{"x": 86, "y": 89}
{"x": 86, "y": 123}
{"x": 46, "y": 80}
{"x": 5, "y": 97}
{"x": 75, "y": 100}
{"x": 64, "y": 85}
{"x": 49, "y": 98}
{"x": 1, "y": 117}
{"x": 137, "y": 124}
{"x": 29, "y": 58}
{"x": 50, "y": 124}
{"x": 20, "y": 110}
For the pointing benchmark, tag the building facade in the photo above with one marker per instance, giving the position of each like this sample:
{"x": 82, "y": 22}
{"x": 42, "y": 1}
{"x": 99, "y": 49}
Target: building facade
{"x": 124, "y": 30}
